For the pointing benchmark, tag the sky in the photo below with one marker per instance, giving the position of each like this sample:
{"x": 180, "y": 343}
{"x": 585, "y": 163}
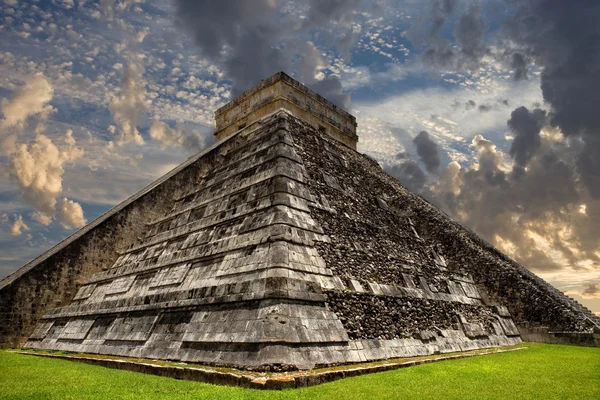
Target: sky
{"x": 487, "y": 108}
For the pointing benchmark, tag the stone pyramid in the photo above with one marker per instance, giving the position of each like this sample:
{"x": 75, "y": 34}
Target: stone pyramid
{"x": 281, "y": 247}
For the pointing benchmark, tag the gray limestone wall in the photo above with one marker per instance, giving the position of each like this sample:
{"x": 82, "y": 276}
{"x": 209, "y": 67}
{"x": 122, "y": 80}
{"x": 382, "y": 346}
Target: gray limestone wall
{"x": 53, "y": 279}
{"x": 542, "y": 334}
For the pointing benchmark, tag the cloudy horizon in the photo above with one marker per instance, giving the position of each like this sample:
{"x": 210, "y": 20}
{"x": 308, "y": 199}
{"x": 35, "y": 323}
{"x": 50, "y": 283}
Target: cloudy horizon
{"x": 484, "y": 107}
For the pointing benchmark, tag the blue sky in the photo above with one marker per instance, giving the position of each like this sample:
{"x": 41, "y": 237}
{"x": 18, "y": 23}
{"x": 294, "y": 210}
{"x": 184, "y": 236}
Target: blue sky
{"x": 99, "y": 98}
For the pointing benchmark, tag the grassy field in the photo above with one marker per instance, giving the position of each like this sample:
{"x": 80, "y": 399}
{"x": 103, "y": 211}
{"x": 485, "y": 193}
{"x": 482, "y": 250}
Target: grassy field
{"x": 539, "y": 372}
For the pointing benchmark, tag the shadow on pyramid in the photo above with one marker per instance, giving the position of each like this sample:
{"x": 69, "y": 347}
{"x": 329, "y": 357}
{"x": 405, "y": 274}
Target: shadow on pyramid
{"x": 282, "y": 248}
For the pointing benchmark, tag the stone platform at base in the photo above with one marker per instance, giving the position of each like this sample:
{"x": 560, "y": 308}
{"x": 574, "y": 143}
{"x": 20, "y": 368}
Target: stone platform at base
{"x": 259, "y": 380}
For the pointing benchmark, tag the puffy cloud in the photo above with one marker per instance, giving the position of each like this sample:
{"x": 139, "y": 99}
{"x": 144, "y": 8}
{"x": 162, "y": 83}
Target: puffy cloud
{"x": 128, "y": 108}
{"x": 527, "y": 214}
{"x": 180, "y": 136}
{"x": 519, "y": 66}
{"x": 41, "y": 218}
{"x": 18, "y": 227}
{"x": 28, "y": 100}
{"x": 428, "y": 151}
{"x": 38, "y": 169}
{"x": 70, "y": 214}
{"x": 591, "y": 291}
{"x": 409, "y": 173}
{"x": 526, "y": 127}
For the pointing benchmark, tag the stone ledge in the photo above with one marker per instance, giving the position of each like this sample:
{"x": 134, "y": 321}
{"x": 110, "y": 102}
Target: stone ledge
{"x": 268, "y": 381}
{"x": 541, "y": 334}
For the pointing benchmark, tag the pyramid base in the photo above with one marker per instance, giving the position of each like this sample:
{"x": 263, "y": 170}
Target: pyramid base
{"x": 285, "y": 357}
{"x": 258, "y": 380}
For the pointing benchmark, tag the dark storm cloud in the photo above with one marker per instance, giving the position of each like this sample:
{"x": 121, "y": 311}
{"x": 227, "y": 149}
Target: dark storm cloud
{"x": 251, "y": 41}
{"x": 441, "y": 10}
{"x": 331, "y": 89}
{"x": 519, "y": 66}
{"x": 408, "y": 171}
{"x": 526, "y": 126}
{"x": 399, "y": 133}
{"x": 562, "y": 37}
{"x": 554, "y": 184}
{"x": 470, "y": 36}
{"x": 592, "y": 290}
{"x": 484, "y": 108}
{"x": 588, "y": 164}
{"x": 409, "y": 174}
{"x": 340, "y": 13}
{"x": 494, "y": 203}
{"x": 428, "y": 151}
{"x": 238, "y": 35}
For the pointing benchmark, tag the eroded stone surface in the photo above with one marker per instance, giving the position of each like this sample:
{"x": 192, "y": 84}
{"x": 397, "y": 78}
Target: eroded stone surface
{"x": 283, "y": 249}
{"x": 233, "y": 275}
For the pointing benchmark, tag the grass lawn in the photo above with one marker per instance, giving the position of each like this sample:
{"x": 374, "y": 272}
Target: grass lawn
{"x": 539, "y": 372}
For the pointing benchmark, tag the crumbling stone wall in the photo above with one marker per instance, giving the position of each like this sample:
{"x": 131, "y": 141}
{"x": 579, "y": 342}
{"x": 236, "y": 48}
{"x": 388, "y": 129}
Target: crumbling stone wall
{"x": 386, "y": 230}
{"x": 529, "y": 298}
{"x": 52, "y": 279}
{"x": 366, "y": 316}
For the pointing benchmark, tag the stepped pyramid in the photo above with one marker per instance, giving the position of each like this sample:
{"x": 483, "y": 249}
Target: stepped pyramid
{"x": 281, "y": 247}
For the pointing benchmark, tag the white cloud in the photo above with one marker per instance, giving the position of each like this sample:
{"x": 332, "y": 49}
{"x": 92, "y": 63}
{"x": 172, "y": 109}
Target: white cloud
{"x": 31, "y": 99}
{"x": 128, "y": 108}
{"x": 38, "y": 169}
{"x": 180, "y": 136}
{"x": 446, "y": 115}
{"x": 41, "y": 218}
{"x": 18, "y": 227}
{"x": 70, "y": 214}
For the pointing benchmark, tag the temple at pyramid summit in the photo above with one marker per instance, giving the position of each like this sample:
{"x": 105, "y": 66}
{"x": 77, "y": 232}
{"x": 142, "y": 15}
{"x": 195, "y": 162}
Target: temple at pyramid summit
{"x": 280, "y": 247}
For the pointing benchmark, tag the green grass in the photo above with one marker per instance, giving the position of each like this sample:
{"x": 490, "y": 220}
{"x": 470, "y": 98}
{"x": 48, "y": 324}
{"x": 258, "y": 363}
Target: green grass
{"x": 541, "y": 371}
